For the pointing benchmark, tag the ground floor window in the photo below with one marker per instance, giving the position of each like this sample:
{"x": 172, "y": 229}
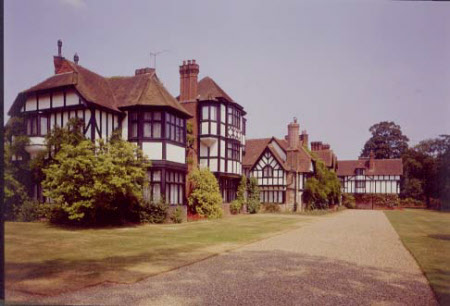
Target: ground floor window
{"x": 169, "y": 183}
{"x": 228, "y": 189}
{"x": 271, "y": 196}
{"x": 174, "y": 187}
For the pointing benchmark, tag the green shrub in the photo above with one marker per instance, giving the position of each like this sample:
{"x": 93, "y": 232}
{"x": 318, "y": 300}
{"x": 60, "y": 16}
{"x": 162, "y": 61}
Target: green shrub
{"x": 271, "y": 207}
{"x": 412, "y": 202}
{"x": 28, "y": 211}
{"x": 177, "y": 215}
{"x": 153, "y": 212}
{"x": 253, "y": 206}
{"x": 205, "y": 197}
{"x": 235, "y": 207}
{"x": 242, "y": 188}
{"x": 348, "y": 200}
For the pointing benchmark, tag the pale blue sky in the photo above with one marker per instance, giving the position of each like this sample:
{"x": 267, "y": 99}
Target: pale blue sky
{"x": 339, "y": 66}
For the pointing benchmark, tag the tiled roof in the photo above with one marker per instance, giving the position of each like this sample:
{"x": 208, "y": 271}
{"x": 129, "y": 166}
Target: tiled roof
{"x": 255, "y": 147}
{"x": 114, "y": 92}
{"x": 209, "y": 90}
{"x": 381, "y": 167}
{"x": 143, "y": 89}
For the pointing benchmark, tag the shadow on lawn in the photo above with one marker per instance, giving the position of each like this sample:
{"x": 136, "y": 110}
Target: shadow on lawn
{"x": 56, "y": 276}
{"x": 264, "y": 278}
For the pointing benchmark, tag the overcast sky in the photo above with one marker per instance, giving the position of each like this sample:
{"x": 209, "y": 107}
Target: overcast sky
{"x": 338, "y": 66}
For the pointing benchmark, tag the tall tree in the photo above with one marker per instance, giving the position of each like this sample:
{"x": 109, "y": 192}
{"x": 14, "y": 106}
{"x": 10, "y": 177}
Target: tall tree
{"x": 387, "y": 141}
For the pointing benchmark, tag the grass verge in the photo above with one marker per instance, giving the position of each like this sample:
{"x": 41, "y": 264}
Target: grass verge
{"x": 426, "y": 234}
{"x": 44, "y": 259}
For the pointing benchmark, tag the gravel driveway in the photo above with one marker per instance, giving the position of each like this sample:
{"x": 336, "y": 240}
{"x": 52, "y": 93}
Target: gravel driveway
{"x": 349, "y": 258}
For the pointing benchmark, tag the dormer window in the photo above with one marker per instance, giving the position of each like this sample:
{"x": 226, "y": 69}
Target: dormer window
{"x": 268, "y": 171}
{"x": 360, "y": 171}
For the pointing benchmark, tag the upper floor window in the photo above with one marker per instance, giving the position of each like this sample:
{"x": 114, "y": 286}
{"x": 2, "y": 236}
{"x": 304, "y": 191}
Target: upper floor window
{"x": 234, "y": 117}
{"x": 175, "y": 128}
{"x": 233, "y": 150}
{"x": 359, "y": 171}
{"x": 209, "y": 113}
{"x": 37, "y": 125}
{"x": 150, "y": 125}
{"x": 360, "y": 184}
{"x": 268, "y": 171}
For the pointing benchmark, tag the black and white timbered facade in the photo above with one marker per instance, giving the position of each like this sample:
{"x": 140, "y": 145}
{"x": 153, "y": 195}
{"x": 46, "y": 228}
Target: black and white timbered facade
{"x": 140, "y": 106}
{"x": 219, "y": 128}
{"x": 369, "y": 175}
{"x": 279, "y": 167}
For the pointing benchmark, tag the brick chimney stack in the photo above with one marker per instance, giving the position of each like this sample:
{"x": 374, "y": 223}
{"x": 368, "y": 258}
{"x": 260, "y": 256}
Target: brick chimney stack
{"x": 188, "y": 80}
{"x": 316, "y": 145}
{"x": 371, "y": 160}
{"x": 293, "y": 135}
{"x": 293, "y": 139}
{"x": 304, "y": 137}
{"x": 60, "y": 63}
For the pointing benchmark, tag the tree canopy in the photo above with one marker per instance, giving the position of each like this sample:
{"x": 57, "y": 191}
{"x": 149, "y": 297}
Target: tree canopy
{"x": 323, "y": 188}
{"x": 205, "y": 197}
{"x": 387, "y": 141}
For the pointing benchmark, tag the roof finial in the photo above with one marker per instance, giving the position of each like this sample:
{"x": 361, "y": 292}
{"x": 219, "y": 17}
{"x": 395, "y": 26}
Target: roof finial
{"x": 59, "y": 47}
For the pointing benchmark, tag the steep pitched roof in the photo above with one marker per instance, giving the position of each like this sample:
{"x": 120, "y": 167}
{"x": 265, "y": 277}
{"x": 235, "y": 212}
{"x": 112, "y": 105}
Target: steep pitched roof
{"x": 114, "y": 92}
{"x": 143, "y": 89}
{"x": 381, "y": 167}
{"x": 209, "y": 90}
{"x": 255, "y": 147}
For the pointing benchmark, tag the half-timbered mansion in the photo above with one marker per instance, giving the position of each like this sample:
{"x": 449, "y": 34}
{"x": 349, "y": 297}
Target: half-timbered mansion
{"x": 370, "y": 175}
{"x": 148, "y": 115}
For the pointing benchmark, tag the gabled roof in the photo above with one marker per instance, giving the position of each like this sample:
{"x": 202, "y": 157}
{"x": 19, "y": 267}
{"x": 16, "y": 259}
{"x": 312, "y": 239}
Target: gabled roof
{"x": 143, "y": 89}
{"x": 255, "y": 147}
{"x": 381, "y": 167}
{"x": 209, "y": 90}
{"x": 112, "y": 93}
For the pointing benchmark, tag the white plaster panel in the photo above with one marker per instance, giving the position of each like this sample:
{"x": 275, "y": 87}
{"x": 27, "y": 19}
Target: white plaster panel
{"x": 222, "y": 165}
{"x": 222, "y": 113}
{"x": 213, "y": 164}
{"x": 125, "y": 128}
{"x": 222, "y": 148}
{"x": 104, "y": 126}
{"x": 58, "y": 99}
{"x": 204, "y": 128}
{"x": 30, "y": 104}
{"x": 213, "y": 149}
{"x": 65, "y": 118}
{"x": 153, "y": 150}
{"x": 44, "y": 101}
{"x": 203, "y": 163}
{"x": 175, "y": 153}
{"x": 203, "y": 150}
{"x": 72, "y": 98}
{"x": 88, "y": 132}
{"x": 213, "y": 128}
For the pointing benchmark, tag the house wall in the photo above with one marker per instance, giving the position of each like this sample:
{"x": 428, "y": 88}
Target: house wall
{"x": 383, "y": 184}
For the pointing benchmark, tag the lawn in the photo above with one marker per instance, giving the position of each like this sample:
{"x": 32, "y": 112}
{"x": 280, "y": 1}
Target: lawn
{"x": 45, "y": 259}
{"x": 426, "y": 234}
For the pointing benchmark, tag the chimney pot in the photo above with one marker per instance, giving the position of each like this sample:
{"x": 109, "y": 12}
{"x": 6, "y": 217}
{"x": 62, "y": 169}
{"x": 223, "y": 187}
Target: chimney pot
{"x": 76, "y": 58}
{"x": 59, "y": 47}
{"x": 188, "y": 80}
